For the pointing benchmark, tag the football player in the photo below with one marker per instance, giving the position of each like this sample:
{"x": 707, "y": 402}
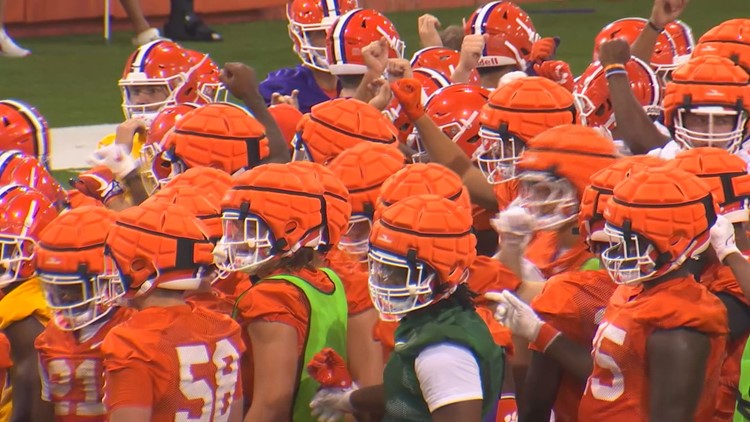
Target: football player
{"x": 310, "y": 82}
{"x": 24, "y": 213}
{"x": 81, "y": 287}
{"x": 25, "y": 130}
{"x": 170, "y": 359}
{"x": 273, "y": 221}
{"x": 447, "y": 366}
{"x": 662, "y": 334}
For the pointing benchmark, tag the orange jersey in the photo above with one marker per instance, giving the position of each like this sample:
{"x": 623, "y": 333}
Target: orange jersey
{"x": 506, "y": 192}
{"x": 618, "y": 387}
{"x": 214, "y": 300}
{"x": 5, "y": 361}
{"x": 574, "y": 303}
{"x": 72, "y": 372}
{"x": 542, "y": 252}
{"x": 487, "y": 274}
{"x": 282, "y": 302}
{"x": 719, "y": 279}
{"x": 181, "y": 361}
{"x": 353, "y": 275}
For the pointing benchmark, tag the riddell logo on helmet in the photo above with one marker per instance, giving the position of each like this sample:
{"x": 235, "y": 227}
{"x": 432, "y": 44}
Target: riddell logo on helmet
{"x": 385, "y": 239}
{"x": 52, "y": 261}
{"x": 715, "y": 93}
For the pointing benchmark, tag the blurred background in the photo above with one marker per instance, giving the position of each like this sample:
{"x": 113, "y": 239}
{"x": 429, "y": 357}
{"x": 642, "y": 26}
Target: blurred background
{"x": 71, "y": 77}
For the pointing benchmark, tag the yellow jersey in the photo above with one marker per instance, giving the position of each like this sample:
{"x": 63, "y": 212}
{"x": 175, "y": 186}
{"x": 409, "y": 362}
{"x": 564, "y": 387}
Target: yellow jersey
{"x": 135, "y": 152}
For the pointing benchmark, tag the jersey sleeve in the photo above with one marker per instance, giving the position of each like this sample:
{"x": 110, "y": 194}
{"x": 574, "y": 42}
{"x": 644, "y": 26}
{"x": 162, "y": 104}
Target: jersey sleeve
{"x": 488, "y": 274}
{"x": 555, "y": 305}
{"x": 275, "y": 82}
{"x": 128, "y": 387}
{"x": 500, "y": 334}
{"x": 129, "y": 359}
{"x": 448, "y": 374}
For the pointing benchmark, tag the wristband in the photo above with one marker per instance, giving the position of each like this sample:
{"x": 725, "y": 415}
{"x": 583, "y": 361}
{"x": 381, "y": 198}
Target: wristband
{"x": 614, "y": 66}
{"x": 615, "y": 72}
{"x": 654, "y": 27}
{"x": 547, "y": 334}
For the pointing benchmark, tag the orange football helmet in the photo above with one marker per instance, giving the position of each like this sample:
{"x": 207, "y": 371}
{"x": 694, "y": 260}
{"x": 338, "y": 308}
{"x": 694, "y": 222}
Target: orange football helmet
{"x": 157, "y": 67}
{"x": 725, "y": 174}
{"x": 338, "y": 210}
{"x": 422, "y": 179}
{"x": 159, "y": 245}
{"x": 514, "y": 114}
{"x": 204, "y": 79}
{"x": 23, "y": 128}
{"x": 81, "y": 284}
{"x": 708, "y": 91}
{"x": 363, "y": 169}
{"x": 209, "y": 181}
{"x": 666, "y": 56}
{"x": 431, "y": 81}
{"x": 591, "y": 93}
{"x": 270, "y": 212}
{"x": 24, "y": 213}
{"x": 729, "y": 39}
{"x": 456, "y": 109}
{"x": 219, "y": 135}
{"x": 556, "y": 168}
{"x": 333, "y": 126}
{"x": 152, "y": 169}
{"x": 440, "y": 59}
{"x": 309, "y": 18}
{"x": 657, "y": 219}
{"x": 25, "y": 170}
{"x": 420, "y": 251}
{"x": 352, "y": 32}
{"x": 597, "y": 193}
{"x": 511, "y": 34}
{"x": 207, "y": 208}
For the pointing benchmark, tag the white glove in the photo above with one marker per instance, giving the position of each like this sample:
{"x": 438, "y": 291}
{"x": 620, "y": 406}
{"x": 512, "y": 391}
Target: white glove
{"x": 514, "y": 226}
{"x": 330, "y": 404}
{"x": 722, "y": 238}
{"x": 513, "y": 313}
{"x": 116, "y": 158}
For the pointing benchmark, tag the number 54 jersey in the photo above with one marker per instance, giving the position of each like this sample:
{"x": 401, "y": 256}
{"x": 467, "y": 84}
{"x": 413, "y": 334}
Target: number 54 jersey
{"x": 181, "y": 361}
{"x": 618, "y": 388}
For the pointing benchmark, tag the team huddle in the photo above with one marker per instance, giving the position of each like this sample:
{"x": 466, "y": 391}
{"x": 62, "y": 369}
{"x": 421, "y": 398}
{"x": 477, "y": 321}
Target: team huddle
{"x": 473, "y": 234}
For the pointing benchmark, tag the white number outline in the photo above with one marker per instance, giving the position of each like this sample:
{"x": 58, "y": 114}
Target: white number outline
{"x": 600, "y": 391}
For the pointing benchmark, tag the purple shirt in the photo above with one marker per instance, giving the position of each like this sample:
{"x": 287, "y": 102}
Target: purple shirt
{"x": 285, "y": 80}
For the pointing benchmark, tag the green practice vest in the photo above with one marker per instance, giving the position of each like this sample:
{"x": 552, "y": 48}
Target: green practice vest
{"x": 591, "y": 264}
{"x": 452, "y": 324}
{"x": 742, "y": 411}
{"x": 326, "y": 328}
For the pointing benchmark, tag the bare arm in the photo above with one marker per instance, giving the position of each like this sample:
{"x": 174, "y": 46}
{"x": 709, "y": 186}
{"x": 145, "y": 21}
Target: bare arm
{"x": 24, "y": 374}
{"x": 571, "y": 357}
{"x": 464, "y": 411}
{"x": 131, "y": 414}
{"x": 369, "y": 399}
{"x": 676, "y": 372}
{"x": 442, "y": 150}
{"x": 540, "y": 391}
{"x": 274, "y": 348}
{"x": 365, "y": 355}
{"x": 634, "y": 126}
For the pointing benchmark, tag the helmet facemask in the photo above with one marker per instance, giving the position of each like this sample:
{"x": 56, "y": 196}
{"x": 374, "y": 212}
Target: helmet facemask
{"x": 709, "y": 116}
{"x": 138, "y": 81}
{"x": 247, "y": 243}
{"x": 498, "y": 155}
{"x": 299, "y": 150}
{"x": 79, "y": 300}
{"x": 16, "y": 256}
{"x": 631, "y": 259}
{"x": 356, "y": 239}
{"x": 310, "y": 52}
{"x": 550, "y": 199}
{"x": 398, "y": 286}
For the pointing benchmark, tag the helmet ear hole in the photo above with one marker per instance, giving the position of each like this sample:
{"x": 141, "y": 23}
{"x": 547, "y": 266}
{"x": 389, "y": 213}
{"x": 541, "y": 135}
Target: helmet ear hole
{"x": 290, "y": 227}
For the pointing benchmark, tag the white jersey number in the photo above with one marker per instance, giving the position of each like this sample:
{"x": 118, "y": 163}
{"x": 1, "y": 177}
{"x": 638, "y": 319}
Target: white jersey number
{"x": 598, "y": 389}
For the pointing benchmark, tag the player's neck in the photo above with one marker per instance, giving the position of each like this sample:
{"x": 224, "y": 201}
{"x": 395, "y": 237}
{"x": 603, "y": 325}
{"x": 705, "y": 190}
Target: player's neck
{"x": 325, "y": 80}
{"x": 160, "y": 298}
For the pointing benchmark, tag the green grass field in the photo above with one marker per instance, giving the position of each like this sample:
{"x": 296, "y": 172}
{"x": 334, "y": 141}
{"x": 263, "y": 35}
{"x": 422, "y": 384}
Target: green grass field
{"x": 72, "y": 80}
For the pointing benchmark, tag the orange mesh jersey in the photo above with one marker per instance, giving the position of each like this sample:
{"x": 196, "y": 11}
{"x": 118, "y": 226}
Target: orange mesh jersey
{"x": 72, "y": 372}
{"x": 573, "y": 302}
{"x": 353, "y": 275}
{"x": 180, "y": 361}
{"x": 282, "y": 302}
{"x": 619, "y": 391}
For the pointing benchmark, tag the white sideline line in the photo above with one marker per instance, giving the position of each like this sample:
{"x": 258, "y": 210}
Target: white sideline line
{"x": 72, "y": 145}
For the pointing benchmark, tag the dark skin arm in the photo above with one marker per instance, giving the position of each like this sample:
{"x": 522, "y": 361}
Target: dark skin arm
{"x": 540, "y": 391}
{"x": 634, "y": 126}
{"x": 677, "y": 367}
{"x": 369, "y": 399}
{"x": 24, "y": 374}
{"x": 241, "y": 82}
{"x": 464, "y": 411}
{"x": 571, "y": 356}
